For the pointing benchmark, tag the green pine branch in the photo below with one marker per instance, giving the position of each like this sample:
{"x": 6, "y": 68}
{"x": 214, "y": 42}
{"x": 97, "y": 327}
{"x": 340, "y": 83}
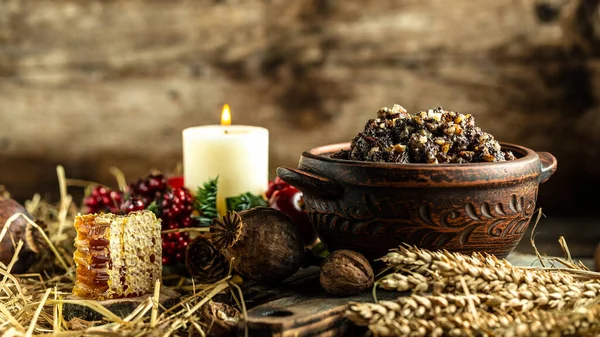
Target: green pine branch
{"x": 245, "y": 201}
{"x": 153, "y": 207}
{"x": 206, "y": 202}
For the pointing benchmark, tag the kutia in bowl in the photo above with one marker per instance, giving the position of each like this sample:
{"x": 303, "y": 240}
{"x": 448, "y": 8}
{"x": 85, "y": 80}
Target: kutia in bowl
{"x": 432, "y": 179}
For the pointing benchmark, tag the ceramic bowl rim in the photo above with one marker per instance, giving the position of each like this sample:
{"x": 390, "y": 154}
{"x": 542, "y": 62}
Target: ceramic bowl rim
{"x": 526, "y": 155}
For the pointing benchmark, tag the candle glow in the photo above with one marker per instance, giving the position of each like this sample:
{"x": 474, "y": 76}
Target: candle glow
{"x": 226, "y": 115}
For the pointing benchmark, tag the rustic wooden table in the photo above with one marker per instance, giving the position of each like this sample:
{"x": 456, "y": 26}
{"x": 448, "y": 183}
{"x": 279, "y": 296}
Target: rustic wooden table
{"x": 300, "y": 307}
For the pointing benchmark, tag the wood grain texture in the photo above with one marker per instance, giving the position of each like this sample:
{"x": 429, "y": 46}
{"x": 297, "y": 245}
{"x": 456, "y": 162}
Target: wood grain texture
{"x": 299, "y": 307}
{"x": 99, "y": 83}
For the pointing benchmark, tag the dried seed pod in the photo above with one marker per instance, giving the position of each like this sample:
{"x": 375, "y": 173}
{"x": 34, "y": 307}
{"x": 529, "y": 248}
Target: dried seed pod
{"x": 345, "y": 272}
{"x": 18, "y": 231}
{"x": 261, "y": 243}
{"x": 222, "y": 318}
{"x": 205, "y": 263}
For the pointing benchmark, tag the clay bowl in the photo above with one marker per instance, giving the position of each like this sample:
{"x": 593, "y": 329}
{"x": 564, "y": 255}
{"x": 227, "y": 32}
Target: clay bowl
{"x": 372, "y": 207}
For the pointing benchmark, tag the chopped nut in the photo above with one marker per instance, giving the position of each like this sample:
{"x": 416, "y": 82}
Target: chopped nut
{"x": 399, "y": 148}
{"x": 423, "y": 139}
{"x": 437, "y": 116}
{"x": 440, "y": 141}
{"x": 450, "y": 131}
{"x": 459, "y": 119}
{"x": 373, "y": 150}
{"x": 488, "y": 157}
{"x": 382, "y": 125}
{"x": 398, "y": 109}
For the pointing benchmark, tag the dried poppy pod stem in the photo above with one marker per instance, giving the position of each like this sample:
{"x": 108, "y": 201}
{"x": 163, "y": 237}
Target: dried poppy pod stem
{"x": 261, "y": 243}
{"x": 205, "y": 263}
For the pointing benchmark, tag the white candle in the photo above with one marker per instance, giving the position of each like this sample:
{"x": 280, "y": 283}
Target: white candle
{"x": 237, "y": 154}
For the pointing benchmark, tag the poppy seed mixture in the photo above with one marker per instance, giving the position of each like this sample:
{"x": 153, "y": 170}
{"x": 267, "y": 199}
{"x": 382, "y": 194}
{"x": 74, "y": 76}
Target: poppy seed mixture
{"x": 435, "y": 136}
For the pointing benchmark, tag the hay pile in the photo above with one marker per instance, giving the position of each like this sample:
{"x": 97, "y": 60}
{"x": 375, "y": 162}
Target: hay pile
{"x": 33, "y": 303}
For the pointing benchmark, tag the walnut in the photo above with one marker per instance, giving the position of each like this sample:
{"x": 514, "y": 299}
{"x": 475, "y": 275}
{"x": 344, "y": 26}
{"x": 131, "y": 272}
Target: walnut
{"x": 345, "y": 272}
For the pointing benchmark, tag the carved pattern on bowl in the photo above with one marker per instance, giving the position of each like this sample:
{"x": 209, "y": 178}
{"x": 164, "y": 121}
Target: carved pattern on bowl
{"x": 424, "y": 224}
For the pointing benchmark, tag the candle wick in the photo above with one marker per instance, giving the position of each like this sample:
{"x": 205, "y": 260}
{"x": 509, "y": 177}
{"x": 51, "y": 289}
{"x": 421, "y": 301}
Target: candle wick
{"x": 226, "y": 132}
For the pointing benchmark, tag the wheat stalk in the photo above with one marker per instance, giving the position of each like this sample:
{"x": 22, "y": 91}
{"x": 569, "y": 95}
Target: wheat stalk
{"x": 520, "y": 298}
{"x": 479, "y": 295}
{"x": 389, "y": 318}
{"x": 517, "y": 288}
{"x": 484, "y": 266}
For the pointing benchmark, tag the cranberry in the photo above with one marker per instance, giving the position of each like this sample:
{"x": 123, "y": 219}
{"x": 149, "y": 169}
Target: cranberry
{"x": 102, "y": 199}
{"x": 149, "y": 188}
{"x": 133, "y": 205}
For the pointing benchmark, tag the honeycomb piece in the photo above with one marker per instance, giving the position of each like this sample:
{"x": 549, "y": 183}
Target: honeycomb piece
{"x": 117, "y": 256}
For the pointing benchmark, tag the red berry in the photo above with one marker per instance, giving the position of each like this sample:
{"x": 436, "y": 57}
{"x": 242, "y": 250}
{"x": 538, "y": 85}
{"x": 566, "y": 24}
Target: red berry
{"x": 176, "y": 207}
{"x": 149, "y": 188}
{"x": 133, "y": 205}
{"x": 102, "y": 199}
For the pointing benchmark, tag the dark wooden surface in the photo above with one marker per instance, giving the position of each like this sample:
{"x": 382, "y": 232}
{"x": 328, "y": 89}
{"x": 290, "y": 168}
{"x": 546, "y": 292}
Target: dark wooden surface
{"x": 121, "y": 307}
{"x": 300, "y": 307}
{"x": 581, "y": 234}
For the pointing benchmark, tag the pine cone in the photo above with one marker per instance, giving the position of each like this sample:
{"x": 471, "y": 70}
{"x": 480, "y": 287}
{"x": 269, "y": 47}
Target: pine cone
{"x": 205, "y": 263}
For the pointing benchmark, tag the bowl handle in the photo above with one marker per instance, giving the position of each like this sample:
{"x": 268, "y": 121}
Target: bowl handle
{"x": 310, "y": 183}
{"x": 549, "y": 164}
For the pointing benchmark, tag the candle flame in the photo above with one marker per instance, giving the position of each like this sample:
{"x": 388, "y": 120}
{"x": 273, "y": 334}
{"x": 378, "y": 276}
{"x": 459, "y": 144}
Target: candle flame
{"x": 226, "y": 115}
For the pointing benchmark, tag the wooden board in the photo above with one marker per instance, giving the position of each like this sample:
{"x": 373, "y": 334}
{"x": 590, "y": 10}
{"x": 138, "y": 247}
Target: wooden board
{"x": 121, "y": 307}
{"x": 300, "y": 307}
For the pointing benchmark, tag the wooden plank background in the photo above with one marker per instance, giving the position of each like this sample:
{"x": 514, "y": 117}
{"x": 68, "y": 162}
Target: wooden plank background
{"x": 90, "y": 84}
